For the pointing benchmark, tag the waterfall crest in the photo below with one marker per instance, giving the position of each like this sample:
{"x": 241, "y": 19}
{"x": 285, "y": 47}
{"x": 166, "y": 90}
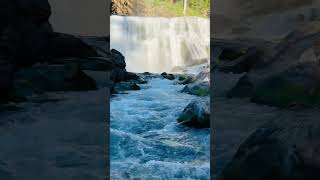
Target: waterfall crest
{"x": 158, "y": 44}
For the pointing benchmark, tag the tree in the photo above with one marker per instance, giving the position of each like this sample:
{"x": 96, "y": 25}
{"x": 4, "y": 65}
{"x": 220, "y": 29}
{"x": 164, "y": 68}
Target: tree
{"x": 184, "y": 7}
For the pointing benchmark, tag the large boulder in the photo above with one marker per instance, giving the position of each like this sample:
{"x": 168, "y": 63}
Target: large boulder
{"x": 118, "y": 59}
{"x": 43, "y": 78}
{"x": 196, "y": 114}
{"x": 283, "y": 149}
{"x": 238, "y": 61}
{"x": 287, "y": 76}
{"x": 64, "y": 45}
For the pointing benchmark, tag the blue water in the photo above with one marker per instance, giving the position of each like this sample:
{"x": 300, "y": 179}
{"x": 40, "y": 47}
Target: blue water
{"x": 146, "y": 141}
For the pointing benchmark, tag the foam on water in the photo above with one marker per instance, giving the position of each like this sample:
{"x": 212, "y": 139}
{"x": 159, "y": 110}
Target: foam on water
{"x": 146, "y": 141}
{"x": 158, "y": 44}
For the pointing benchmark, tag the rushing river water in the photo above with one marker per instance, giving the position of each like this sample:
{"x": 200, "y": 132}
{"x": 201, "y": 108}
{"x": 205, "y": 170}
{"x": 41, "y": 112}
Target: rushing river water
{"x": 158, "y": 44}
{"x": 146, "y": 141}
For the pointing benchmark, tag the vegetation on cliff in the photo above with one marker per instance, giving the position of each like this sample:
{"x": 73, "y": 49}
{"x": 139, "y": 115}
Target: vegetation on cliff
{"x": 166, "y": 8}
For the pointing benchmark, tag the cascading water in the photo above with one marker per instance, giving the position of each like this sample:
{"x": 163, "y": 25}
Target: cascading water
{"x": 158, "y": 44}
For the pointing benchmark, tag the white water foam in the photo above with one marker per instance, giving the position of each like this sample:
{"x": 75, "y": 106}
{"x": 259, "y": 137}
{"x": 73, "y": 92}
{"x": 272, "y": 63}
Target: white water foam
{"x": 146, "y": 141}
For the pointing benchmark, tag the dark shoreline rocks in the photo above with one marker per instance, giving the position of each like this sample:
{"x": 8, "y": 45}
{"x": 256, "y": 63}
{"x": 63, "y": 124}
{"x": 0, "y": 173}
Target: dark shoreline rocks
{"x": 282, "y": 149}
{"x": 286, "y": 74}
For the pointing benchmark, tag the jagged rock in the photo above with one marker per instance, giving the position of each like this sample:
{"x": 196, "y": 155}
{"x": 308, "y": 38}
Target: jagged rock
{"x": 201, "y": 88}
{"x": 282, "y": 149}
{"x": 287, "y": 76}
{"x": 196, "y": 114}
{"x": 118, "y": 59}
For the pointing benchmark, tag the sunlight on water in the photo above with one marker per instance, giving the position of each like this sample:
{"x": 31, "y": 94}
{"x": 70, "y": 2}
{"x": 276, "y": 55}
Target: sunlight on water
{"x": 158, "y": 44}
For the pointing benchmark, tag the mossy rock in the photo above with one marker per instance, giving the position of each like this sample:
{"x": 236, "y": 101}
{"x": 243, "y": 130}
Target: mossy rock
{"x": 197, "y": 89}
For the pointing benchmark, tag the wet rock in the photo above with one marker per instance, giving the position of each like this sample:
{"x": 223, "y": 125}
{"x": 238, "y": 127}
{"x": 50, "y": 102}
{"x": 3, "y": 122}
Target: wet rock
{"x": 168, "y": 76}
{"x": 196, "y": 114}
{"x": 186, "y": 80}
{"x": 284, "y": 149}
{"x": 126, "y": 86}
{"x": 146, "y": 73}
{"x": 201, "y": 88}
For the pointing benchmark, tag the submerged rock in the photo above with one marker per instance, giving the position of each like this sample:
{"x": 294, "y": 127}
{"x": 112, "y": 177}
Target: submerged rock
{"x": 196, "y": 114}
{"x": 201, "y": 88}
{"x": 282, "y": 149}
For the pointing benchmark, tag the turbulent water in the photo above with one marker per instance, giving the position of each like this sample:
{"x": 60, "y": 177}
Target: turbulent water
{"x": 158, "y": 44}
{"x": 146, "y": 141}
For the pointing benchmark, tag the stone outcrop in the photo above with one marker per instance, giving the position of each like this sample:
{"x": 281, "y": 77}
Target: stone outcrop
{"x": 288, "y": 75}
{"x": 282, "y": 149}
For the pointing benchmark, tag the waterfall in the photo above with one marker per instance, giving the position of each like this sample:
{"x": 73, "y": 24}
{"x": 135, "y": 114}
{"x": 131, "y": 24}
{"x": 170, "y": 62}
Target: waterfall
{"x": 158, "y": 44}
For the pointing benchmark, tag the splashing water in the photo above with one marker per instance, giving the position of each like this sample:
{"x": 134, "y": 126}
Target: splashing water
{"x": 158, "y": 44}
{"x": 146, "y": 141}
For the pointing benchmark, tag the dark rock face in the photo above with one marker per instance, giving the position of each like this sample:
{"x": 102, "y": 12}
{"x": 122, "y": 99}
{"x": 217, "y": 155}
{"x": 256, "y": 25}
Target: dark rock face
{"x": 45, "y": 78}
{"x": 289, "y": 75}
{"x": 118, "y": 59}
{"x": 238, "y": 62}
{"x": 196, "y": 114}
{"x": 24, "y": 29}
{"x": 282, "y": 149}
{"x": 27, "y": 36}
{"x": 64, "y": 45}
{"x": 6, "y": 81}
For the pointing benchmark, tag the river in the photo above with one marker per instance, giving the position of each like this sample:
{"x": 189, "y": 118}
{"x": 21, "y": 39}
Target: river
{"x": 147, "y": 142}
